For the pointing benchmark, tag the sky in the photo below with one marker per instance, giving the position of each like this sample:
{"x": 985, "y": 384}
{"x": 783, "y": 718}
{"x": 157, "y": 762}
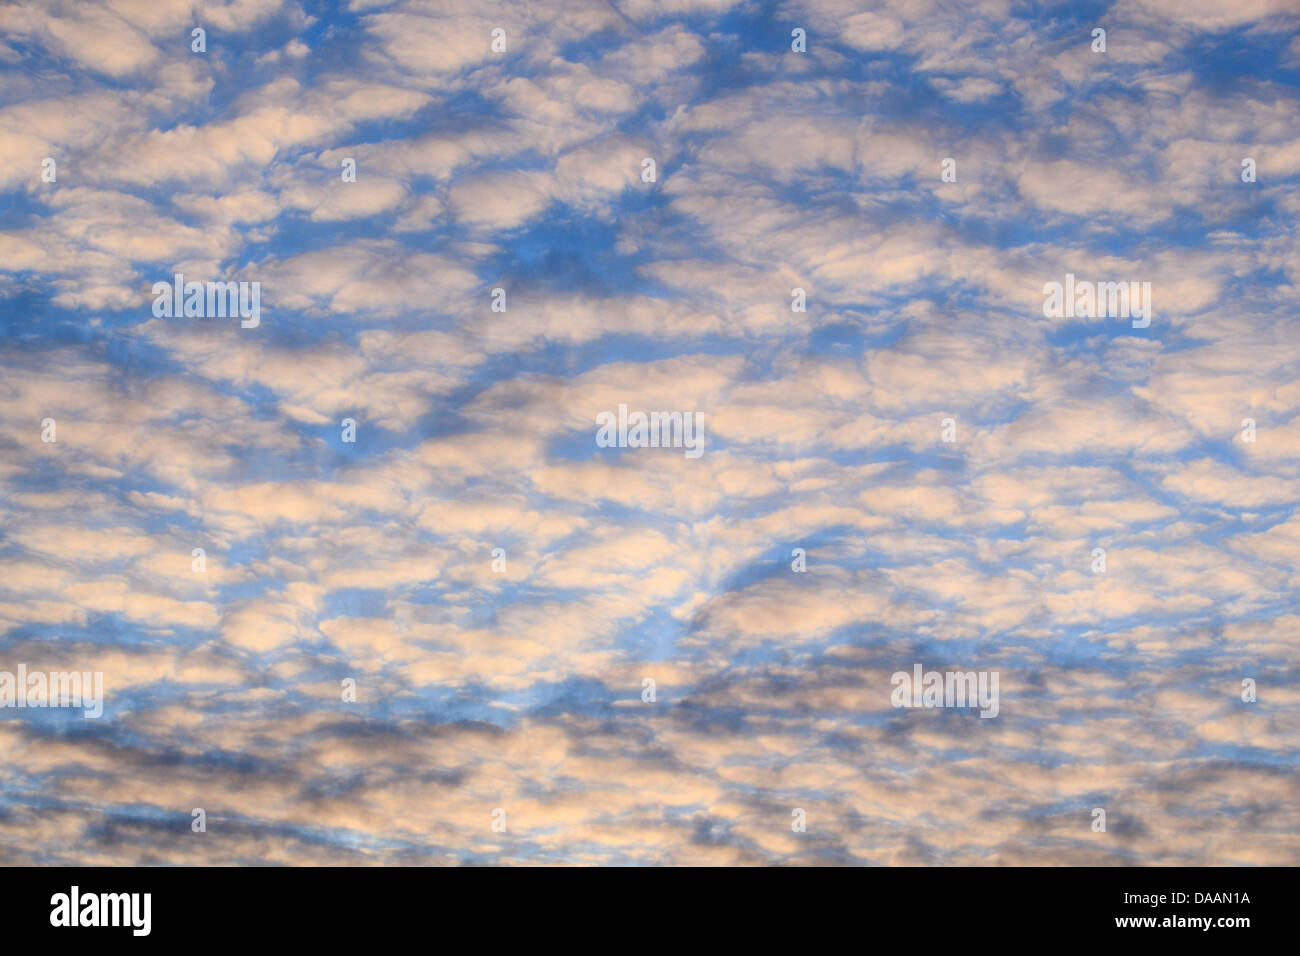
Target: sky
{"x": 476, "y": 635}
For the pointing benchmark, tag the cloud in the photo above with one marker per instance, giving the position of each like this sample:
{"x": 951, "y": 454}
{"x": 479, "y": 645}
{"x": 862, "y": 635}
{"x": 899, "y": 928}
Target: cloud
{"x": 918, "y": 468}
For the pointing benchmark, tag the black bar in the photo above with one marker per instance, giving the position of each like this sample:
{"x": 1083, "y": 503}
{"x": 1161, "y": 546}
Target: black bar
{"x": 650, "y": 907}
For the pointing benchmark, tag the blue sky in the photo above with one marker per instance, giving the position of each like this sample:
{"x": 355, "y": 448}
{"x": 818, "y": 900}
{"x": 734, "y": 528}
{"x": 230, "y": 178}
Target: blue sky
{"x": 519, "y": 686}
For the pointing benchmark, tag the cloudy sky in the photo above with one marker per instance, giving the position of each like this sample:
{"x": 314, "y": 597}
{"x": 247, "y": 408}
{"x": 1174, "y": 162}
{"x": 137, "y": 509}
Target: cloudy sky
{"x": 519, "y": 687}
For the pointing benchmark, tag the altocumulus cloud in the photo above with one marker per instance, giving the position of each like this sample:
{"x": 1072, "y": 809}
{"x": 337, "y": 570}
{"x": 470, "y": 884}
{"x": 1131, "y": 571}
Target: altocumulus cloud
{"x": 360, "y": 575}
